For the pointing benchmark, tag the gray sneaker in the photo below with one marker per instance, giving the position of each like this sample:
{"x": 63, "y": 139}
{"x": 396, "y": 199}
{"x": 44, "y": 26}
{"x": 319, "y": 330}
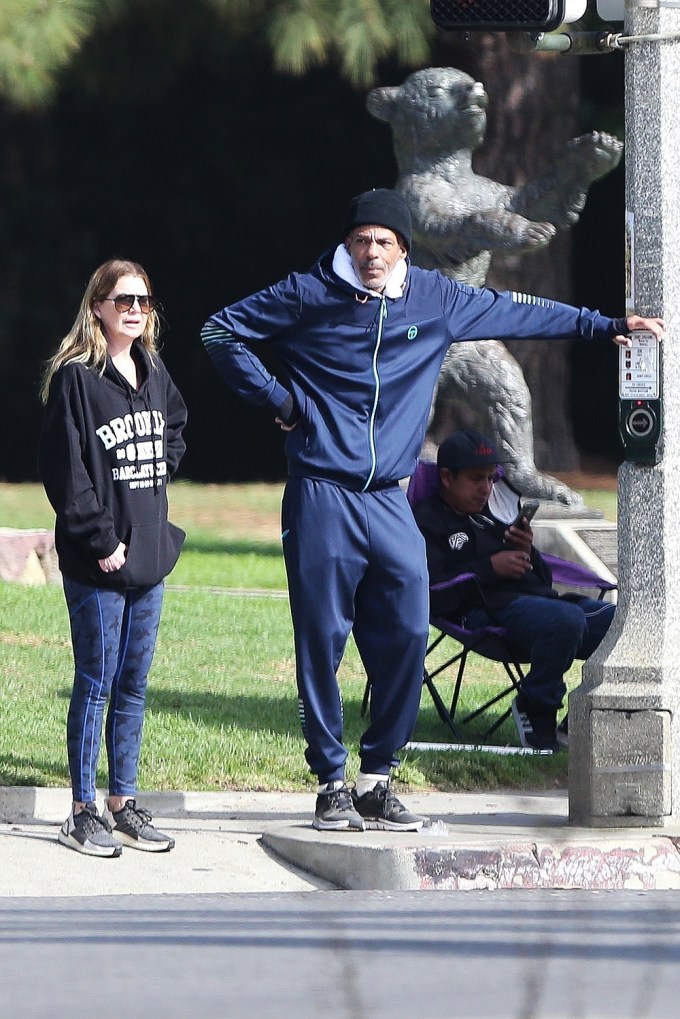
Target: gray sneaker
{"x": 88, "y": 833}
{"x": 132, "y": 826}
{"x": 381, "y": 809}
{"x": 335, "y": 810}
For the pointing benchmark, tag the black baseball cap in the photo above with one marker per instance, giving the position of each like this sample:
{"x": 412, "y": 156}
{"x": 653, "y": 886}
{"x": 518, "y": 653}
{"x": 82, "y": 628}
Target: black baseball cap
{"x": 468, "y": 449}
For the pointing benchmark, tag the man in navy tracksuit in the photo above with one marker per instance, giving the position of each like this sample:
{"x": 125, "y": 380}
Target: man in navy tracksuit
{"x": 362, "y": 336}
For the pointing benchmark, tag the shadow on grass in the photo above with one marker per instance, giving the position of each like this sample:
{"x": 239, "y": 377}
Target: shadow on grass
{"x": 430, "y": 727}
{"x": 256, "y": 713}
{"x": 15, "y": 770}
{"x": 279, "y": 714}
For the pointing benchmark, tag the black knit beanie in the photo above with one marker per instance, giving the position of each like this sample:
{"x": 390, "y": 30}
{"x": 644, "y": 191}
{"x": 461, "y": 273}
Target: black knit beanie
{"x": 380, "y": 207}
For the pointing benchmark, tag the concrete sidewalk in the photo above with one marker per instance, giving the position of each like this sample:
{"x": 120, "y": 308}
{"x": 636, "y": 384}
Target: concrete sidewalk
{"x": 260, "y": 842}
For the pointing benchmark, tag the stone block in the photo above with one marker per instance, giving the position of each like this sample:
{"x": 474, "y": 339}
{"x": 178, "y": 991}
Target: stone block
{"x": 631, "y": 763}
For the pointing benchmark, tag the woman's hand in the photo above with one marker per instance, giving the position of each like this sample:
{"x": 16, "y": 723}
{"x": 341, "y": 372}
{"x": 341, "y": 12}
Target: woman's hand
{"x": 114, "y": 561}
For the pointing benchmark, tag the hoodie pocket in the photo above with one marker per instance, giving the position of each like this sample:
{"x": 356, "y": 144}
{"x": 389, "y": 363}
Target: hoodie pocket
{"x": 152, "y": 554}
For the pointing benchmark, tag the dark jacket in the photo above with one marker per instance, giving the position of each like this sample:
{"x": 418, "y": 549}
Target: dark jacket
{"x": 458, "y": 544}
{"x": 362, "y": 369}
{"x": 105, "y": 456}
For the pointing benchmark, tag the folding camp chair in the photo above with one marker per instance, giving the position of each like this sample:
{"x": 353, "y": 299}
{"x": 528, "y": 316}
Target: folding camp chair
{"x": 491, "y": 642}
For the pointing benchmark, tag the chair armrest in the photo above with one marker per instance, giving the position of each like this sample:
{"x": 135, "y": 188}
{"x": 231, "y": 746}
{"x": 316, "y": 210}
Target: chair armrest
{"x": 462, "y": 578}
{"x": 573, "y": 575}
{"x": 465, "y": 578}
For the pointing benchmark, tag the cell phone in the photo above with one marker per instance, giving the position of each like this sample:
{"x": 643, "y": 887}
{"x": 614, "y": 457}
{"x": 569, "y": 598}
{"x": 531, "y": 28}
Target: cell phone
{"x": 526, "y": 512}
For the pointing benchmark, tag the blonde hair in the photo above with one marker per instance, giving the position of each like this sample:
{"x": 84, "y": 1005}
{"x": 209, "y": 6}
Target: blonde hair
{"x": 86, "y": 342}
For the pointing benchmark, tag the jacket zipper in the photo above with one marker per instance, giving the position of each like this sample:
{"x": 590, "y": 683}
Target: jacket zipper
{"x": 371, "y": 427}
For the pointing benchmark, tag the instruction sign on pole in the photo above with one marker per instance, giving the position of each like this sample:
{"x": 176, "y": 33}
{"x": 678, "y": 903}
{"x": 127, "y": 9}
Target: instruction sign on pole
{"x": 639, "y": 368}
{"x": 640, "y": 398}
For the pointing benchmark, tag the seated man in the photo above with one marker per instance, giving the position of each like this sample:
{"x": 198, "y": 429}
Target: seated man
{"x": 515, "y": 584}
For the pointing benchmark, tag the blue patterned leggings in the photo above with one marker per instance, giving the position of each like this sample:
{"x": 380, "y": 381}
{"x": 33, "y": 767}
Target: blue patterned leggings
{"x": 114, "y": 639}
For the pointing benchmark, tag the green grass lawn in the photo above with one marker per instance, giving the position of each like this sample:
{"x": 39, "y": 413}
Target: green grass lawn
{"x": 222, "y": 708}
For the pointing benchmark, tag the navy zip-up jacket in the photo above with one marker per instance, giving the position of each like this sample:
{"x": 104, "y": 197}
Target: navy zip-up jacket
{"x": 362, "y": 369}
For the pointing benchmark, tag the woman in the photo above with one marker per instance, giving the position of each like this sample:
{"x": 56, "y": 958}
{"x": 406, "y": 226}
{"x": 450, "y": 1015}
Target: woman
{"x": 111, "y": 439}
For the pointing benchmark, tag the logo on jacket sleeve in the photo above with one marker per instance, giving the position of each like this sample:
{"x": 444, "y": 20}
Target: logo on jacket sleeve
{"x": 412, "y": 333}
{"x": 457, "y": 540}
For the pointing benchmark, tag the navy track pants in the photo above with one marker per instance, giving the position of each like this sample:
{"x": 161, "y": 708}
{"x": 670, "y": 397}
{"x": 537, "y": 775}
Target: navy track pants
{"x": 355, "y": 563}
{"x": 114, "y": 639}
{"x": 553, "y": 632}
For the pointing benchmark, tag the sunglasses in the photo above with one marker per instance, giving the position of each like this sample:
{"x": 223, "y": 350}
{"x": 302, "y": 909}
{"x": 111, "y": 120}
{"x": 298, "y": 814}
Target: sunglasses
{"x": 124, "y": 302}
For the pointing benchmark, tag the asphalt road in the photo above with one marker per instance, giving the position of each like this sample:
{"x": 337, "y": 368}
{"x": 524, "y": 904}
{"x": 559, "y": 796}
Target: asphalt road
{"x": 356, "y": 955}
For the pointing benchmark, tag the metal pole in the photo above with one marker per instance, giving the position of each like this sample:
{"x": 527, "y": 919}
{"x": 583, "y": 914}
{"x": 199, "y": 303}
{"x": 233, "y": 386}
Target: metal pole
{"x": 624, "y": 720}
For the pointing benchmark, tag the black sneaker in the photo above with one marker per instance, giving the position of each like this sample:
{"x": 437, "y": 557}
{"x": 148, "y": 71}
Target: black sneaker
{"x": 536, "y": 726}
{"x": 132, "y": 826}
{"x": 335, "y": 810}
{"x": 381, "y": 809}
{"x": 88, "y": 833}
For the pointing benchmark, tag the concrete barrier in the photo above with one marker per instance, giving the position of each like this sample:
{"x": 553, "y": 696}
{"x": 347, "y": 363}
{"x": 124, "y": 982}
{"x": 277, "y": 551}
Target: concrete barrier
{"x": 28, "y": 556}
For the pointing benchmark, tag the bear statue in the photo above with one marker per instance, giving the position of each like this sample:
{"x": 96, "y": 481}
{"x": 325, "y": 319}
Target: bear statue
{"x": 438, "y": 119}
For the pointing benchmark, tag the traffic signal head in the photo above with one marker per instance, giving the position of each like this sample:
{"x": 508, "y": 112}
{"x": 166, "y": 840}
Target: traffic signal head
{"x": 498, "y": 15}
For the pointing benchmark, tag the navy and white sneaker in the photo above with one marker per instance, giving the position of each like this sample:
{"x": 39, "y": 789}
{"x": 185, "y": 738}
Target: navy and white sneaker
{"x": 88, "y": 833}
{"x": 132, "y": 826}
{"x": 523, "y": 724}
{"x": 381, "y": 810}
{"x": 536, "y": 726}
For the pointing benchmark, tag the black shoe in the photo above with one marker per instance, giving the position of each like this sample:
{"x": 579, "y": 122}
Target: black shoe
{"x": 381, "y": 809}
{"x": 335, "y": 809}
{"x": 132, "y": 826}
{"x": 536, "y": 725}
{"x": 88, "y": 833}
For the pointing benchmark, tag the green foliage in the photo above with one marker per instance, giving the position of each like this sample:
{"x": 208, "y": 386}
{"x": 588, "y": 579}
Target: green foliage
{"x": 298, "y": 39}
{"x": 356, "y": 34}
{"x": 37, "y": 38}
{"x": 369, "y": 31}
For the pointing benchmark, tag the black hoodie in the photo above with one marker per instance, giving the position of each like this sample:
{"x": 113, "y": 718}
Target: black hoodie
{"x": 106, "y": 454}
